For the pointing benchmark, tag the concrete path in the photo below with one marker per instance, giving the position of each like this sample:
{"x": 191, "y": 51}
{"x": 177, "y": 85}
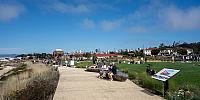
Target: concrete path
{"x": 76, "y": 84}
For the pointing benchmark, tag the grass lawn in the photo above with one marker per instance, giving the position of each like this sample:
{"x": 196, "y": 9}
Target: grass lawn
{"x": 83, "y": 64}
{"x": 189, "y": 74}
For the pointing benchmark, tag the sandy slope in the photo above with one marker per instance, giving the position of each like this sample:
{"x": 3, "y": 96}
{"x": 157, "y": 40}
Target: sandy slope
{"x": 5, "y": 70}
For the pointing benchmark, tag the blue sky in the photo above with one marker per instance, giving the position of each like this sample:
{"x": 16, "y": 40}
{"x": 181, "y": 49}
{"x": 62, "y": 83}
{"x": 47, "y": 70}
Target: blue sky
{"x": 28, "y": 26}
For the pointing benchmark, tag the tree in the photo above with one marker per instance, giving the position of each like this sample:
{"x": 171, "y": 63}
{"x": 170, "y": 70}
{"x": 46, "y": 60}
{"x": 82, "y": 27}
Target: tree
{"x": 182, "y": 51}
{"x": 155, "y": 52}
{"x": 161, "y": 45}
{"x": 112, "y": 52}
{"x": 87, "y": 55}
{"x": 125, "y": 53}
{"x": 139, "y": 53}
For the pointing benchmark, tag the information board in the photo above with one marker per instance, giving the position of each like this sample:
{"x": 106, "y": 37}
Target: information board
{"x": 165, "y": 74}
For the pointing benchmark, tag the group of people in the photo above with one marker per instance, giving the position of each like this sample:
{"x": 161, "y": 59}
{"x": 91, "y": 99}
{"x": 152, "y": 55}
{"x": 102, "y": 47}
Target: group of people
{"x": 108, "y": 71}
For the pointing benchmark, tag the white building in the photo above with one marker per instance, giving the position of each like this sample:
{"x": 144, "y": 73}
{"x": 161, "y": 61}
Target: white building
{"x": 148, "y": 51}
{"x": 189, "y": 51}
{"x": 167, "y": 51}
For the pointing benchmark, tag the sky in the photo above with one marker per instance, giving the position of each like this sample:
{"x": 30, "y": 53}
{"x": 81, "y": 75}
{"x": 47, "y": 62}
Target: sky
{"x": 28, "y": 26}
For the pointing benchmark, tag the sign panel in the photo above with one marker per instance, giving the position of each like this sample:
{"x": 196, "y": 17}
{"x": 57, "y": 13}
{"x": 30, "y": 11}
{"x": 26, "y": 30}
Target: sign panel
{"x": 165, "y": 74}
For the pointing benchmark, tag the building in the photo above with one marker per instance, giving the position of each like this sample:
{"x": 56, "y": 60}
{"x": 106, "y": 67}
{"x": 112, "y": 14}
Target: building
{"x": 148, "y": 51}
{"x": 189, "y": 51}
{"x": 58, "y": 53}
{"x": 105, "y": 56}
{"x": 167, "y": 51}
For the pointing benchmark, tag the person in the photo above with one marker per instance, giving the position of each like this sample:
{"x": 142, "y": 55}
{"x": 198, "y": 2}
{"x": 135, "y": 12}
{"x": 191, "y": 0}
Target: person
{"x": 103, "y": 71}
{"x": 112, "y": 71}
{"x": 104, "y": 66}
{"x": 110, "y": 75}
{"x": 152, "y": 72}
{"x": 148, "y": 69}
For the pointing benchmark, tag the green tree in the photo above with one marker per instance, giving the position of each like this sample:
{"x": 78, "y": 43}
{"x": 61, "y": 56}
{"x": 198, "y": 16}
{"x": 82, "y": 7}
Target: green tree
{"x": 161, "y": 45}
{"x": 182, "y": 51}
{"x": 155, "y": 52}
{"x": 87, "y": 55}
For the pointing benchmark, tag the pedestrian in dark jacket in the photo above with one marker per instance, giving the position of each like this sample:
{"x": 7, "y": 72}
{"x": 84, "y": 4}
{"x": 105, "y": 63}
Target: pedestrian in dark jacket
{"x": 114, "y": 69}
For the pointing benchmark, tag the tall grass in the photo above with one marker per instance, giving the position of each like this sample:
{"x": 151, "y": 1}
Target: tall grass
{"x": 39, "y": 82}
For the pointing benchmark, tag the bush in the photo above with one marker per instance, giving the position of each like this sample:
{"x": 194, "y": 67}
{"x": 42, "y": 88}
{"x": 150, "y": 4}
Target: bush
{"x": 132, "y": 75}
{"x": 125, "y": 70}
{"x": 147, "y": 82}
{"x": 194, "y": 91}
{"x": 42, "y": 87}
{"x": 185, "y": 92}
{"x": 144, "y": 80}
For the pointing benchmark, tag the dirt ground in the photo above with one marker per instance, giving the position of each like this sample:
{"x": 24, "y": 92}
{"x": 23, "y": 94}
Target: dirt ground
{"x": 76, "y": 84}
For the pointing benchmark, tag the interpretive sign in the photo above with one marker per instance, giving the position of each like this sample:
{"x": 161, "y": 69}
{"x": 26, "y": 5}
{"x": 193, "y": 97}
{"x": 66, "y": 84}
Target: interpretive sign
{"x": 165, "y": 74}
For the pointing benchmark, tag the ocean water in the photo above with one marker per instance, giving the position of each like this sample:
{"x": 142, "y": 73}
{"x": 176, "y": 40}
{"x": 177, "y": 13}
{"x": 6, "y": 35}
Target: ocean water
{"x": 7, "y": 55}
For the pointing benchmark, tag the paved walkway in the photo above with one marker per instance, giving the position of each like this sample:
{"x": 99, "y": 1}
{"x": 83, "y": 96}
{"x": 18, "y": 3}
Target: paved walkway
{"x": 76, "y": 84}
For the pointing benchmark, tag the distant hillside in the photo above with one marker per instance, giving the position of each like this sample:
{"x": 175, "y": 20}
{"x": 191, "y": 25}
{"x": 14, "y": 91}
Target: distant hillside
{"x": 195, "y": 46}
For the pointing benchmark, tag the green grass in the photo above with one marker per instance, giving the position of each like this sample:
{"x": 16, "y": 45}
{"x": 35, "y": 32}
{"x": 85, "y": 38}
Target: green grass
{"x": 83, "y": 64}
{"x": 189, "y": 74}
{"x": 187, "y": 79}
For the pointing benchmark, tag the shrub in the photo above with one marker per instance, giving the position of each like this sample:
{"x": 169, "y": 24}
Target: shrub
{"x": 147, "y": 82}
{"x": 132, "y": 75}
{"x": 185, "y": 92}
{"x": 193, "y": 89}
{"x": 41, "y": 86}
{"x": 125, "y": 70}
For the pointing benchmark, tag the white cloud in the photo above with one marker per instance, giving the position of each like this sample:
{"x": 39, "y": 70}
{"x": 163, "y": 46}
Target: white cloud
{"x": 68, "y": 8}
{"x": 10, "y": 11}
{"x": 179, "y": 19}
{"x": 137, "y": 29}
{"x": 87, "y": 23}
{"x": 76, "y": 6}
{"x": 110, "y": 25}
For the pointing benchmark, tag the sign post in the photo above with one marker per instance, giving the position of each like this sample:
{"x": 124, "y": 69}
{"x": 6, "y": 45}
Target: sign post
{"x": 164, "y": 75}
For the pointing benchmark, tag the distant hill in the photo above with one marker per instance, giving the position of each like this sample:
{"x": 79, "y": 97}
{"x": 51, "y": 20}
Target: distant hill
{"x": 195, "y": 46}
